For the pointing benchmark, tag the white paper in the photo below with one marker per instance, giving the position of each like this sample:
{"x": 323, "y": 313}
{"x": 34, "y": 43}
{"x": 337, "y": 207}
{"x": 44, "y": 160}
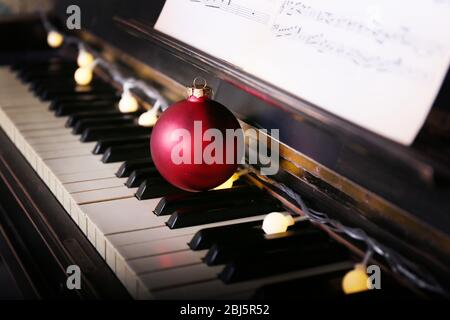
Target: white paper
{"x": 378, "y": 64}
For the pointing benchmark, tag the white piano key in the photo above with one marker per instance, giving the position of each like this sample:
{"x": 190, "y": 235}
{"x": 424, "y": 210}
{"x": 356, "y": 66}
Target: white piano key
{"x": 52, "y": 139}
{"x": 217, "y": 289}
{"x": 56, "y": 146}
{"x": 123, "y": 215}
{"x": 46, "y": 132}
{"x": 101, "y": 195}
{"x": 86, "y": 176}
{"x": 156, "y": 247}
{"x": 165, "y": 261}
{"x": 65, "y": 153}
{"x": 94, "y": 184}
{"x": 79, "y": 164}
{"x": 58, "y": 123}
{"x": 179, "y": 276}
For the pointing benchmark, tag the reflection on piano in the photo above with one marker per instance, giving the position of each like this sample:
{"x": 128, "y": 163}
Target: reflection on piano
{"x": 79, "y": 178}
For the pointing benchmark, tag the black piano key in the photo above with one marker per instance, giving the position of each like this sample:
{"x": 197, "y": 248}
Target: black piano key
{"x": 326, "y": 285}
{"x": 73, "y": 119}
{"x": 65, "y": 85}
{"x": 45, "y": 75}
{"x": 89, "y": 97}
{"x": 197, "y": 216}
{"x": 110, "y": 121}
{"x": 215, "y": 198}
{"x": 304, "y": 256}
{"x": 226, "y": 248}
{"x": 126, "y": 152}
{"x": 155, "y": 188}
{"x": 130, "y": 165}
{"x": 65, "y": 109}
{"x": 205, "y": 238}
{"x": 140, "y": 175}
{"x": 95, "y": 134}
{"x": 104, "y": 144}
{"x": 50, "y": 94}
{"x": 75, "y": 96}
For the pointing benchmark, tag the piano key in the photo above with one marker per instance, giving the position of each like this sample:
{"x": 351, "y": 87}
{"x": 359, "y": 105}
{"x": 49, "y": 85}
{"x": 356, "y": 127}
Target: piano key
{"x": 217, "y": 289}
{"x": 88, "y": 97}
{"x": 212, "y": 197}
{"x": 104, "y": 144}
{"x": 101, "y": 195}
{"x": 156, "y": 247}
{"x": 85, "y": 176}
{"x": 50, "y": 94}
{"x": 163, "y": 232}
{"x": 83, "y": 124}
{"x": 113, "y": 132}
{"x": 164, "y": 261}
{"x": 79, "y": 164}
{"x": 45, "y": 132}
{"x": 206, "y": 237}
{"x": 255, "y": 241}
{"x": 139, "y": 175}
{"x": 177, "y": 277}
{"x": 326, "y": 285}
{"x": 89, "y": 185}
{"x": 64, "y": 153}
{"x": 155, "y": 188}
{"x": 123, "y": 215}
{"x": 63, "y": 146}
{"x": 189, "y": 217}
{"x": 279, "y": 261}
{"x": 130, "y": 165}
{"x": 68, "y": 108}
{"x": 126, "y": 152}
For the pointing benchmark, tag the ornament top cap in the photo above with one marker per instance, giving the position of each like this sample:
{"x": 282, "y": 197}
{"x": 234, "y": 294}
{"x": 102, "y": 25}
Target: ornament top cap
{"x": 199, "y": 90}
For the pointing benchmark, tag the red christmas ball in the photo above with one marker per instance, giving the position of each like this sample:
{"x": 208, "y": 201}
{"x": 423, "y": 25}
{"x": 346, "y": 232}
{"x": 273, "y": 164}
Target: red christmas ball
{"x": 185, "y": 150}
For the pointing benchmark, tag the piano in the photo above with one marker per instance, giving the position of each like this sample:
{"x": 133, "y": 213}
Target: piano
{"x": 79, "y": 187}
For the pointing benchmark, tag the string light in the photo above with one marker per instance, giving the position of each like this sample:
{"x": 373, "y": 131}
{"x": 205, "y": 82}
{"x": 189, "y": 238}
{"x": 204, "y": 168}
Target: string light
{"x": 54, "y": 39}
{"x": 396, "y": 262}
{"x": 84, "y": 58}
{"x": 83, "y": 75}
{"x": 149, "y": 118}
{"x": 277, "y": 222}
{"x": 229, "y": 183}
{"x": 355, "y": 280}
{"x": 127, "y": 102}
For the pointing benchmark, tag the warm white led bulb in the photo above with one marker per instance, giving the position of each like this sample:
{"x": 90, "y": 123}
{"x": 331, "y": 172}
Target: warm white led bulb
{"x": 54, "y": 39}
{"x": 128, "y": 103}
{"x": 83, "y": 76}
{"x": 277, "y": 222}
{"x": 355, "y": 280}
{"x": 229, "y": 183}
{"x": 148, "y": 119}
{"x": 85, "y": 59}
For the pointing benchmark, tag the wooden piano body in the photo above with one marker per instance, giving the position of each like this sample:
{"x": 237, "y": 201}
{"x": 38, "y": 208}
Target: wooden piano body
{"x": 398, "y": 195}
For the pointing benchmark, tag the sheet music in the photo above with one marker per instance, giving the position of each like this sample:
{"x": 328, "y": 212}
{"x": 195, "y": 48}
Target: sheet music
{"x": 378, "y": 64}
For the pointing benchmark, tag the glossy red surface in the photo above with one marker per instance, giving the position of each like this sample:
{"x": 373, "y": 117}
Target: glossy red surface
{"x": 166, "y": 142}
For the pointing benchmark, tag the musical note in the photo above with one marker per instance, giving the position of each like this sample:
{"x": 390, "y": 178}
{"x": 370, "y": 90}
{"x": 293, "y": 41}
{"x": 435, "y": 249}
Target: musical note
{"x": 236, "y": 9}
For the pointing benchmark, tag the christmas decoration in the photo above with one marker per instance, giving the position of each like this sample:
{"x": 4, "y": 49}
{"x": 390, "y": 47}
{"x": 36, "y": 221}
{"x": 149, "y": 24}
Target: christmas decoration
{"x": 189, "y": 142}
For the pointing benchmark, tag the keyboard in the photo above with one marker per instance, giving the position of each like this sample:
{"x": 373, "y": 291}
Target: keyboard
{"x": 161, "y": 242}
